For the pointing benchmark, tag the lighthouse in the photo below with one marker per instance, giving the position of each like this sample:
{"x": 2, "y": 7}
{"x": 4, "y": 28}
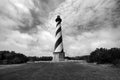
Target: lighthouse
{"x": 58, "y": 53}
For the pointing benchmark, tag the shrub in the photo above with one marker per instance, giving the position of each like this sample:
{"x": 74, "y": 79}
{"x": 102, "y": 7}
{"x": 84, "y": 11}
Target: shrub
{"x": 103, "y": 56}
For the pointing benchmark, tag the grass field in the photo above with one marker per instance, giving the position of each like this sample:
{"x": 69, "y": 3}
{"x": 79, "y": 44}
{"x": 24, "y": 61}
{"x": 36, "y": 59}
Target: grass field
{"x": 58, "y": 71}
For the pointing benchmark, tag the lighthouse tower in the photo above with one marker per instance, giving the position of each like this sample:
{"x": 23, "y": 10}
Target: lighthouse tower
{"x": 58, "y": 49}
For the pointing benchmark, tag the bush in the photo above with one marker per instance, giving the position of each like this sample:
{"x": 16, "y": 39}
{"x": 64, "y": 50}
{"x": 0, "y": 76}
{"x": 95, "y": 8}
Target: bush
{"x": 44, "y": 58}
{"x": 105, "y": 56}
{"x": 7, "y": 57}
{"x": 116, "y": 62}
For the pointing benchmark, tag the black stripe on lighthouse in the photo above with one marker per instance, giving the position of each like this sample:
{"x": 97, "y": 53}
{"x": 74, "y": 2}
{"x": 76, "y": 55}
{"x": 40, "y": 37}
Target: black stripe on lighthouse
{"x": 59, "y": 30}
{"x": 58, "y": 42}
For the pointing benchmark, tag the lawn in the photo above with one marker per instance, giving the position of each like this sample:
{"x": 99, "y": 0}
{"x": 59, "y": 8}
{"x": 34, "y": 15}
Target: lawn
{"x": 58, "y": 71}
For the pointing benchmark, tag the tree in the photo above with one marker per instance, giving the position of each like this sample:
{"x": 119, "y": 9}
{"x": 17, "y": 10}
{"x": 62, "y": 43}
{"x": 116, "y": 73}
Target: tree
{"x": 102, "y": 55}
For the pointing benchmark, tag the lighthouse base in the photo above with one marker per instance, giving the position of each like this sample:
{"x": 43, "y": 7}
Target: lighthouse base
{"x": 58, "y": 56}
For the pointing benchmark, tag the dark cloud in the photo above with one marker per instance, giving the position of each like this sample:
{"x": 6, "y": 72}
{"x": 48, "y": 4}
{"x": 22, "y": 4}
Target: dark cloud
{"x": 116, "y": 15}
{"x": 39, "y": 14}
{"x": 30, "y": 24}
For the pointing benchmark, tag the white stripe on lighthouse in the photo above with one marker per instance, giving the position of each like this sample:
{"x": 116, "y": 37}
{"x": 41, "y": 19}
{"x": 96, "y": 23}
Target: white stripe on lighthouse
{"x": 58, "y": 36}
{"x": 59, "y": 48}
{"x": 58, "y": 26}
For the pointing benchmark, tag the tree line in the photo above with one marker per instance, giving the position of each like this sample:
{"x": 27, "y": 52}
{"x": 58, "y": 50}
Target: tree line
{"x": 85, "y": 57}
{"x": 7, "y": 57}
{"x": 11, "y": 57}
{"x": 43, "y": 58}
{"x": 101, "y": 56}
{"x": 105, "y": 56}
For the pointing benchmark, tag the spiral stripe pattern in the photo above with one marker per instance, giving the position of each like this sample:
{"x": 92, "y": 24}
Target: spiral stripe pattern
{"x": 58, "y": 35}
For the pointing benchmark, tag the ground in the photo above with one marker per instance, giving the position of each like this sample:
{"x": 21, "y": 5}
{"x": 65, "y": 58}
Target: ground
{"x": 58, "y": 71}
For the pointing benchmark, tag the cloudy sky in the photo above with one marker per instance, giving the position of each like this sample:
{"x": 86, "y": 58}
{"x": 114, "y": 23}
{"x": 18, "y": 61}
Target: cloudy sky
{"x": 28, "y": 26}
